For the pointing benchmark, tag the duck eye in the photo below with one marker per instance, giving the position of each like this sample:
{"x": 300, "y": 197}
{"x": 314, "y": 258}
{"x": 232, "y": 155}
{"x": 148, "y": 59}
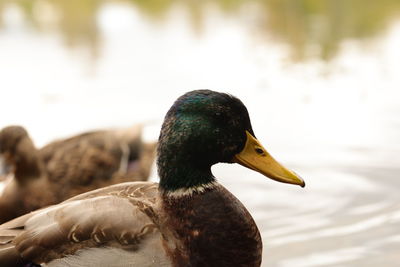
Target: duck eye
{"x": 259, "y": 151}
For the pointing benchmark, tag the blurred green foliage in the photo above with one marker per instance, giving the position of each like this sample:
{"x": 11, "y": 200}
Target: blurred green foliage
{"x": 324, "y": 24}
{"x": 311, "y": 28}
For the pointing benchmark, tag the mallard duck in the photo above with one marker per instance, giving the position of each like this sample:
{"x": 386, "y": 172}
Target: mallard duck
{"x": 65, "y": 168}
{"x": 188, "y": 219}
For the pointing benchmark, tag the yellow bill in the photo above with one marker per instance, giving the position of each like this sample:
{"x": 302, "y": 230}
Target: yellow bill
{"x": 256, "y": 157}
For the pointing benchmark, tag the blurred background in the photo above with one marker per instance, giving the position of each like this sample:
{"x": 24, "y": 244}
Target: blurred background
{"x": 320, "y": 79}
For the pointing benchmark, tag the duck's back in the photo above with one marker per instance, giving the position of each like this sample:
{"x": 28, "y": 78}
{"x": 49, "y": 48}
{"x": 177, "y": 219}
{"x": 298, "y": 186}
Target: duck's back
{"x": 74, "y": 158}
{"x": 93, "y": 160}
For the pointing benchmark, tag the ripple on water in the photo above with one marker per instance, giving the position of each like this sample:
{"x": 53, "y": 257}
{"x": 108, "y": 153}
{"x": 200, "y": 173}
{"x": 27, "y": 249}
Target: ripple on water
{"x": 325, "y": 258}
{"x": 346, "y": 230}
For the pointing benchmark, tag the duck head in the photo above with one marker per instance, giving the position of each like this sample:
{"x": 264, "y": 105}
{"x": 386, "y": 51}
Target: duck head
{"x": 18, "y": 152}
{"x": 204, "y": 127}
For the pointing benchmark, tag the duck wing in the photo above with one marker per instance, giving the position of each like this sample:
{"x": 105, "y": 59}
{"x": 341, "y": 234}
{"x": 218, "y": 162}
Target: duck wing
{"x": 119, "y": 217}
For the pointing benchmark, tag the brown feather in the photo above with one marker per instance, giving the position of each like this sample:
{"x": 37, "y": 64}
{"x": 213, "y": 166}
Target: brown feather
{"x": 109, "y": 216}
{"x": 68, "y": 167}
{"x": 211, "y": 228}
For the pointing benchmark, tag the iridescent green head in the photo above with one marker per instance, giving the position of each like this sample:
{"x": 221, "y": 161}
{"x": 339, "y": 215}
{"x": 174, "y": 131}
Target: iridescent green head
{"x": 202, "y": 128}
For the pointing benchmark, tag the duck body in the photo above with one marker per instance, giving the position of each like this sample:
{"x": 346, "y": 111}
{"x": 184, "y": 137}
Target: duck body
{"x": 96, "y": 159}
{"x": 65, "y": 168}
{"x": 162, "y": 230}
{"x": 188, "y": 219}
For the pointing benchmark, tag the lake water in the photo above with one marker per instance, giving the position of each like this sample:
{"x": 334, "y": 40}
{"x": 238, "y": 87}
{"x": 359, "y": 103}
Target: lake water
{"x": 320, "y": 79}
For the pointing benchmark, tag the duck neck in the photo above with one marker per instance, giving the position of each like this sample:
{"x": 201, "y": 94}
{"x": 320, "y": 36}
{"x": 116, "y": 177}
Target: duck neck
{"x": 179, "y": 176}
{"x": 27, "y": 163}
{"x": 28, "y": 167}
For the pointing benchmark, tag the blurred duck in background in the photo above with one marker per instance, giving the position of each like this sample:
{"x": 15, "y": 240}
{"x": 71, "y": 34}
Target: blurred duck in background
{"x": 36, "y": 178}
{"x": 188, "y": 219}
